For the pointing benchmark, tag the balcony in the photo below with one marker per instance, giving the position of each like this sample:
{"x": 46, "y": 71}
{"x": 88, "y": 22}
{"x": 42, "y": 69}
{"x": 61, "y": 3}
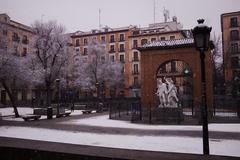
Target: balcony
{"x": 121, "y": 40}
{"x": 25, "y": 41}
{"x": 122, "y": 61}
{"x": 121, "y": 50}
{"x": 111, "y": 41}
{"x": 234, "y": 52}
{"x": 135, "y": 72}
{"x": 16, "y": 39}
{"x": 136, "y": 85}
{"x": 235, "y": 66}
{"x": 135, "y": 59}
{"x": 112, "y": 51}
{"x": 24, "y": 54}
{"x": 135, "y": 47}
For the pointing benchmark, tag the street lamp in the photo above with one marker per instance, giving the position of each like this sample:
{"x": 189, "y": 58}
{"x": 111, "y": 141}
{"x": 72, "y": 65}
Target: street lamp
{"x": 58, "y": 95}
{"x": 201, "y": 34}
{"x": 97, "y": 89}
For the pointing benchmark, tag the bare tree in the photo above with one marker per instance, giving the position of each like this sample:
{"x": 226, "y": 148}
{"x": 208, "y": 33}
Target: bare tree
{"x": 97, "y": 70}
{"x": 50, "y": 56}
{"x": 216, "y": 58}
{"x": 13, "y": 69}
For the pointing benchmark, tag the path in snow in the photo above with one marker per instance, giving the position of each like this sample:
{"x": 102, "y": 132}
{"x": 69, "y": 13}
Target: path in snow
{"x": 152, "y": 143}
{"x": 104, "y": 121}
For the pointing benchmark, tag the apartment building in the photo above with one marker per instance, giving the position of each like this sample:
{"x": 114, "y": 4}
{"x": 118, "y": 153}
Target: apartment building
{"x": 121, "y": 45}
{"x": 19, "y": 36}
{"x": 114, "y": 41}
{"x": 230, "y": 27}
{"x": 17, "y": 39}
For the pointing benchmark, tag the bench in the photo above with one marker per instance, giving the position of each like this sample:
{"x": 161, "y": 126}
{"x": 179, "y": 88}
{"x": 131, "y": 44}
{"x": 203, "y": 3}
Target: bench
{"x": 64, "y": 114}
{"x": 31, "y": 117}
{"x": 87, "y": 111}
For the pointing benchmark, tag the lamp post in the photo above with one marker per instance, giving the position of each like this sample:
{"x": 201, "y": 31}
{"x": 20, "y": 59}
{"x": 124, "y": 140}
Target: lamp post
{"x": 58, "y": 95}
{"x": 97, "y": 88}
{"x": 201, "y": 34}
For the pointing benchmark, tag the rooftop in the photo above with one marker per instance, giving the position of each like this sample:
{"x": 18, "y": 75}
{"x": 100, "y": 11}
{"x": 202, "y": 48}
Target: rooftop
{"x": 168, "y": 44}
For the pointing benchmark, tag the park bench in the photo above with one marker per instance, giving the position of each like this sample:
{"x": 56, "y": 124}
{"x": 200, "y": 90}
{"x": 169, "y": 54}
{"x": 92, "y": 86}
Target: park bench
{"x": 31, "y": 117}
{"x": 64, "y": 114}
{"x": 87, "y": 111}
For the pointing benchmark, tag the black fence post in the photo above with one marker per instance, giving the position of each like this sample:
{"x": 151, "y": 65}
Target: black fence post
{"x": 150, "y": 113}
{"x": 140, "y": 109}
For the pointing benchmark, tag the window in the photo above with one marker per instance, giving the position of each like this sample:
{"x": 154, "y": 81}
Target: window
{"x": 112, "y": 38}
{"x": 163, "y": 38}
{"x": 112, "y": 58}
{"x": 233, "y": 22}
{"x": 77, "y": 49}
{"x": 85, "y": 50}
{"x": 135, "y": 81}
{"x": 76, "y": 59}
{"x": 85, "y": 59}
{"x": 15, "y": 37}
{"x": 172, "y": 37}
{"x": 103, "y": 39}
{"x": 5, "y": 32}
{"x": 24, "y": 52}
{"x": 85, "y": 41}
{"x": 77, "y": 42}
{"x": 173, "y": 66}
{"x": 234, "y": 48}
{"x": 94, "y": 40}
{"x": 153, "y": 39}
{"x": 94, "y": 60}
{"x": 25, "y": 39}
{"x": 234, "y": 62}
{"x": 121, "y": 37}
{"x": 135, "y": 43}
{"x": 135, "y": 69}
{"x": 234, "y": 35}
{"x": 135, "y": 56}
{"x": 103, "y": 59}
{"x": 143, "y": 41}
{"x": 121, "y": 57}
{"x": 121, "y": 48}
{"x": 112, "y": 49}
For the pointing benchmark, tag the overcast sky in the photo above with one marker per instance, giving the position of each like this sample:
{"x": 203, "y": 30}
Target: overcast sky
{"x": 83, "y": 14}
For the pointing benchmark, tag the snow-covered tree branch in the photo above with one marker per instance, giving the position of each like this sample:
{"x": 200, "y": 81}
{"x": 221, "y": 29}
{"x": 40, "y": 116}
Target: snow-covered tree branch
{"x": 49, "y": 59}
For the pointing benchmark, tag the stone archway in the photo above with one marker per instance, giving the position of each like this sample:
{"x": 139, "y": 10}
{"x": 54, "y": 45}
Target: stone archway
{"x": 181, "y": 74}
{"x": 153, "y": 56}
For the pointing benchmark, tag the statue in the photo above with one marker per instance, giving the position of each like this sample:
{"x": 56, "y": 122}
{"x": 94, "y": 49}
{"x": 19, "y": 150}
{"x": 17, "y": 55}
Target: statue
{"x": 167, "y": 93}
{"x": 172, "y": 98}
{"x": 161, "y": 92}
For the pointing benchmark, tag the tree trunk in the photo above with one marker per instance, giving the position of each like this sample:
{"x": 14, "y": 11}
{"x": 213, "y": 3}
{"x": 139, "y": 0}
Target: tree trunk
{"x": 12, "y": 98}
{"x": 48, "y": 97}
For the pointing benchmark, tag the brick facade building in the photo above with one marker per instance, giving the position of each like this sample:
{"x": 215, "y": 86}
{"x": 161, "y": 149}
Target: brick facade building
{"x": 230, "y": 26}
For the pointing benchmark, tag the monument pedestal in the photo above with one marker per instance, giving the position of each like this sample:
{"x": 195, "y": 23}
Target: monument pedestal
{"x": 167, "y": 114}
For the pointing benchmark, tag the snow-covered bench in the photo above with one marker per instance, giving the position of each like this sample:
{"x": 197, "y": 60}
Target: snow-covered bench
{"x": 31, "y": 117}
{"x": 64, "y": 114}
{"x": 87, "y": 111}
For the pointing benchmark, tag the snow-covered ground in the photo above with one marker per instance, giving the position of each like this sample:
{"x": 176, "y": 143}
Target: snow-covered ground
{"x": 104, "y": 121}
{"x": 152, "y": 143}
{"x": 8, "y": 114}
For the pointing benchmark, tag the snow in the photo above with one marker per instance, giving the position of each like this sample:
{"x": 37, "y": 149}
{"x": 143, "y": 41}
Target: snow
{"x": 152, "y": 143}
{"x": 21, "y": 110}
{"x": 104, "y": 121}
{"x": 8, "y": 114}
